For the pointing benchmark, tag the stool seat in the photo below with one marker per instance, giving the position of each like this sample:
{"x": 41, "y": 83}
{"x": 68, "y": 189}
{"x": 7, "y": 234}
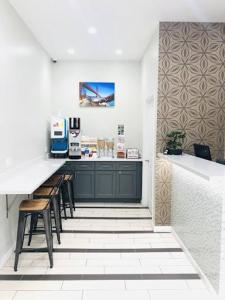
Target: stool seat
{"x": 46, "y": 191}
{"x": 33, "y": 205}
{"x": 54, "y": 180}
{"x": 68, "y": 177}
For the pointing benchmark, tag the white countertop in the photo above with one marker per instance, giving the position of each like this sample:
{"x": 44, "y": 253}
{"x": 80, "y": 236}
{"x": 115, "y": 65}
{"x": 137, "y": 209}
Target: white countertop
{"x": 104, "y": 159}
{"x": 27, "y": 178}
{"x": 209, "y": 170}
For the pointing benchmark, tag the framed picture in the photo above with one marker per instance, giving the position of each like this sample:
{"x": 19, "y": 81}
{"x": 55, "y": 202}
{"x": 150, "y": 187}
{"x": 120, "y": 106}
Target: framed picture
{"x": 97, "y": 94}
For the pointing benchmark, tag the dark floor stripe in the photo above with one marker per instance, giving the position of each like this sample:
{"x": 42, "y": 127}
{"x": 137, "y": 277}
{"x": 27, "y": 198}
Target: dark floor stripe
{"x": 109, "y": 231}
{"x": 111, "y": 218}
{"x": 101, "y": 277}
{"x": 98, "y": 250}
{"x": 113, "y": 207}
{"x": 106, "y": 231}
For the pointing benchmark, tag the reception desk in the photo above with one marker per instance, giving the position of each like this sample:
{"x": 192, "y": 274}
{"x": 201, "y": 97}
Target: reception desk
{"x": 198, "y": 213}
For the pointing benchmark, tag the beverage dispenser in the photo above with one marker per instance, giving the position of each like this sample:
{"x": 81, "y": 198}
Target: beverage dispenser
{"x": 59, "y": 137}
{"x": 74, "y": 138}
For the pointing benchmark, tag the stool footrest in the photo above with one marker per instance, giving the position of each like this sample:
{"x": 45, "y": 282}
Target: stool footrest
{"x": 25, "y": 250}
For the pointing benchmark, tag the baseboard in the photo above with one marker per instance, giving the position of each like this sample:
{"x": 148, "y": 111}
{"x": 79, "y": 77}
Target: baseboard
{"x": 162, "y": 229}
{"x": 194, "y": 263}
{"x": 110, "y": 200}
{"x": 7, "y": 255}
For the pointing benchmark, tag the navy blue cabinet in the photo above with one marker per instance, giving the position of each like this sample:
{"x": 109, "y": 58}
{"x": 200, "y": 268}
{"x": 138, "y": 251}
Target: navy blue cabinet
{"x": 105, "y": 183}
{"x": 84, "y": 184}
{"x": 99, "y": 181}
{"x": 126, "y": 184}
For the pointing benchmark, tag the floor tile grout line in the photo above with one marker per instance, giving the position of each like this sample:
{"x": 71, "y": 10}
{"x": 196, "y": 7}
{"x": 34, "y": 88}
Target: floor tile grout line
{"x": 125, "y": 285}
{"x": 161, "y": 270}
{"x": 187, "y": 284}
{"x": 140, "y": 261}
{"x": 14, "y": 296}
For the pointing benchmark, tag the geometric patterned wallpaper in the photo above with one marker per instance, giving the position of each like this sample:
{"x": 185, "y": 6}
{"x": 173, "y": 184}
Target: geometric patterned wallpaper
{"x": 191, "y": 93}
{"x": 163, "y": 172}
{"x": 191, "y": 96}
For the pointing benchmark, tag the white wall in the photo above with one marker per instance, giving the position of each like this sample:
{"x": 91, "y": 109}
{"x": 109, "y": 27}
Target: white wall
{"x": 149, "y": 75}
{"x": 101, "y": 122}
{"x": 24, "y": 106}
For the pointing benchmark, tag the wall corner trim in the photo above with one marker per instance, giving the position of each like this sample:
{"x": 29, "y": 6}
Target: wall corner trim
{"x": 193, "y": 262}
{"x": 162, "y": 229}
{"x": 7, "y": 255}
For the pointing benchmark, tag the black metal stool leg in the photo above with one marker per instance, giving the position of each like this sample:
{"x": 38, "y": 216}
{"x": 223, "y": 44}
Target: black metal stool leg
{"x": 60, "y": 212}
{"x": 48, "y": 236}
{"x": 69, "y": 192}
{"x": 56, "y": 216}
{"x": 24, "y": 230}
{"x": 72, "y": 193}
{"x": 20, "y": 236}
{"x": 33, "y": 224}
{"x": 50, "y": 229}
{"x": 64, "y": 202}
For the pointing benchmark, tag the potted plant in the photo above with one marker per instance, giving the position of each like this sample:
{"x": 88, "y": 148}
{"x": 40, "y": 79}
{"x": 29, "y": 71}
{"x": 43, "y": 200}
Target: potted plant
{"x": 174, "y": 143}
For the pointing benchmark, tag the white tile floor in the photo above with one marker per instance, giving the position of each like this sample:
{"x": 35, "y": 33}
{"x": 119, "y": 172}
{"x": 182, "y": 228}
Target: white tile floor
{"x": 105, "y": 263}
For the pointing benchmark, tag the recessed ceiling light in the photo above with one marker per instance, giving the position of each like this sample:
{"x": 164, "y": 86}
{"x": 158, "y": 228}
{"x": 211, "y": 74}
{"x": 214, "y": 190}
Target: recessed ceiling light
{"x": 71, "y": 51}
{"x": 119, "y": 51}
{"x": 92, "y": 30}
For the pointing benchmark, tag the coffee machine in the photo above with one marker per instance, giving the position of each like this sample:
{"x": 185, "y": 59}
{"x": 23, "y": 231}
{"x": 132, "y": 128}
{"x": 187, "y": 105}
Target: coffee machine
{"x": 74, "y": 138}
{"x": 59, "y": 137}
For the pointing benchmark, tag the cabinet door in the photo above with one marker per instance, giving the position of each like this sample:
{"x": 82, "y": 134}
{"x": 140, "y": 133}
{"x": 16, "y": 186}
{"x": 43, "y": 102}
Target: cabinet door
{"x": 104, "y": 184}
{"x": 126, "y": 184}
{"x": 84, "y": 184}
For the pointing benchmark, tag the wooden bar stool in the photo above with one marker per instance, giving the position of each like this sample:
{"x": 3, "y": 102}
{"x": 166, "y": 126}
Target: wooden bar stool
{"x": 51, "y": 193}
{"x": 67, "y": 188}
{"x": 65, "y": 184}
{"x": 37, "y": 208}
{"x": 56, "y": 181}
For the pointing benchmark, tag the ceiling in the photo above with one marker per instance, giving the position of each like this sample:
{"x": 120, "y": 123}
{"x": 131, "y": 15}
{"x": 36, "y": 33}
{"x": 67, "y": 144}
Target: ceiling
{"x": 123, "y": 25}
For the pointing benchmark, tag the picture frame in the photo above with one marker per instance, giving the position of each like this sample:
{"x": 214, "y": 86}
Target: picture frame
{"x": 97, "y": 94}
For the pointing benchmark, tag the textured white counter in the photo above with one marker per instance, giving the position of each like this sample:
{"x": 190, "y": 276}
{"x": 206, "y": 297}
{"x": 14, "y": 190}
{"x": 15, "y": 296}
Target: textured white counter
{"x": 207, "y": 169}
{"x": 198, "y": 218}
{"x": 27, "y": 178}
